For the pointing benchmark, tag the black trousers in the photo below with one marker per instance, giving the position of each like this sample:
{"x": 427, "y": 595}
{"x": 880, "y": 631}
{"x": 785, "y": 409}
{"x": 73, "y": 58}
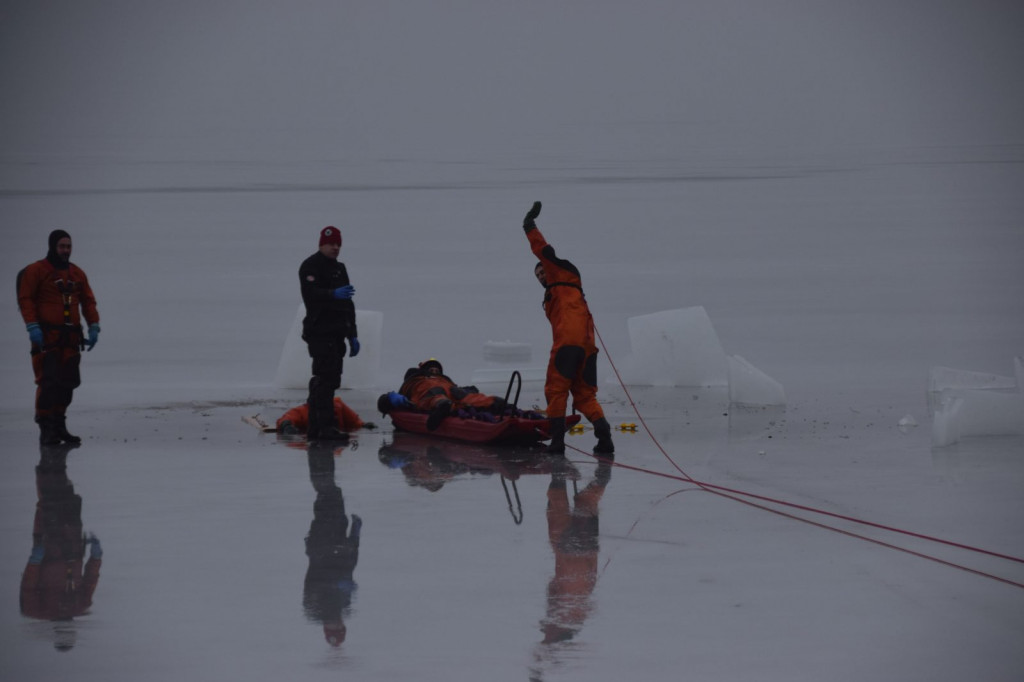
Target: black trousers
{"x": 328, "y": 358}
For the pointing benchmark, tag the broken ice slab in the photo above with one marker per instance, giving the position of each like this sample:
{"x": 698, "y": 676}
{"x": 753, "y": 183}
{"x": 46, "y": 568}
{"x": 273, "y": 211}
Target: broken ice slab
{"x": 675, "y": 348}
{"x": 968, "y": 412}
{"x": 750, "y": 386}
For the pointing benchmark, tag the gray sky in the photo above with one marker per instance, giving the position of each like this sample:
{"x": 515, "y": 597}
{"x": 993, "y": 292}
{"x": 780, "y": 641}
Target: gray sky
{"x": 341, "y": 79}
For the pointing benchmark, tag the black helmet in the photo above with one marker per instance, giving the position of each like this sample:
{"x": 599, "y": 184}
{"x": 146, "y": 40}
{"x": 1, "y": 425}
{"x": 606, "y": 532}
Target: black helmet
{"x": 432, "y": 362}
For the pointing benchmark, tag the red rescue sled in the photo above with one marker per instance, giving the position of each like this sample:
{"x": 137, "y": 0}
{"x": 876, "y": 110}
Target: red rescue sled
{"x": 507, "y": 429}
{"x": 516, "y": 427}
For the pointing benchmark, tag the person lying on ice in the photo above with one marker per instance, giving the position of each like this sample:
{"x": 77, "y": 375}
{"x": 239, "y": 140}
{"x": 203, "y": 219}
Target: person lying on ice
{"x": 296, "y": 420}
{"x": 427, "y": 389}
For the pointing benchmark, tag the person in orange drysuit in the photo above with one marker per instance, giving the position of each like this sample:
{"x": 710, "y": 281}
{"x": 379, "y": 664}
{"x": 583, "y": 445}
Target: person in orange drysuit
{"x": 296, "y": 420}
{"x": 58, "y": 582}
{"x": 572, "y": 367}
{"x": 427, "y": 389}
{"x": 53, "y": 297}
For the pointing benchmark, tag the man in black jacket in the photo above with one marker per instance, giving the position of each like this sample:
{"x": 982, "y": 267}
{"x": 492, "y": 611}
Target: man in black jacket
{"x": 330, "y": 321}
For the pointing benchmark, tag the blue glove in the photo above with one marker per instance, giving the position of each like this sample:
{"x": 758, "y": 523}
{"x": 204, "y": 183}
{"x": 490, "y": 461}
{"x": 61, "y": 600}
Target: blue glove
{"x": 95, "y": 551}
{"x": 94, "y": 335}
{"x": 353, "y": 347}
{"x": 398, "y": 400}
{"x": 344, "y": 292}
{"x": 35, "y": 334}
{"x": 357, "y": 526}
{"x": 38, "y": 552}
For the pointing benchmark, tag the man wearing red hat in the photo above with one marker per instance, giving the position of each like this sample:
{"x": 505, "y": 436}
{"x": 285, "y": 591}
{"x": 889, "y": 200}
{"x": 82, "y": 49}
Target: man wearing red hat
{"x": 330, "y": 321}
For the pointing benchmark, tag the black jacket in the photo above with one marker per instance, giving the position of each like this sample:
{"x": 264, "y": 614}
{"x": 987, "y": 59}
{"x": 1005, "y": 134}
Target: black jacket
{"x": 326, "y": 316}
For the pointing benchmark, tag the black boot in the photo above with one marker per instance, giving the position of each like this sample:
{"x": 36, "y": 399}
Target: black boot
{"x": 603, "y": 431}
{"x": 47, "y": 431}
{"x": 557, "y": 444}
{"x": 60, "y": 426}
{"x": 438, "y": 414}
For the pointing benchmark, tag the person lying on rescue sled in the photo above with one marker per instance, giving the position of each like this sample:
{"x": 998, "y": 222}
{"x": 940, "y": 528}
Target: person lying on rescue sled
{"x": 427, "y": 389}
{"x": 296, "y": 420}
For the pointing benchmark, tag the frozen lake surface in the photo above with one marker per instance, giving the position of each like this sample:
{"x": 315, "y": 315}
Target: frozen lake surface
{"x": 203, "y": 523}
{"x": 840, "y": 189}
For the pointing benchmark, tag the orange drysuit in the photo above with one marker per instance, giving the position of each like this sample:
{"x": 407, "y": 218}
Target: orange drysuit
{"x": 346, "y": 417}
{"x": 572, "y": 366}
{"x": 56, "y": 299}
{"x": 425, "y": 390}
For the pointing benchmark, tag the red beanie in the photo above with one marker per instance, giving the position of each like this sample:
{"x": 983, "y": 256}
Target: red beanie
{"x": 330, "y": 235}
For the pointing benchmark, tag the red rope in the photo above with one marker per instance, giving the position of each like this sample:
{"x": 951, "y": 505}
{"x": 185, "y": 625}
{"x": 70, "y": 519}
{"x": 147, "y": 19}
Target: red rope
{"x": 731, "y": 493}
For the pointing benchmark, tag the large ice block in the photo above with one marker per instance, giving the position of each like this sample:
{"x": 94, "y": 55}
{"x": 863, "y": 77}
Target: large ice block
{"x": 967, "y": 412}
{"x": 295, "y": 366}
{"x": 975, "y": 404}
{"x": 675, "y": 348}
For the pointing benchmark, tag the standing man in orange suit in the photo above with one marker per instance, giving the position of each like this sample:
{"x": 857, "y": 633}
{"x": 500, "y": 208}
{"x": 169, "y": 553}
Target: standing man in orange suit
{"x": 53, "y": 297}
{"x": 572, "y": 366}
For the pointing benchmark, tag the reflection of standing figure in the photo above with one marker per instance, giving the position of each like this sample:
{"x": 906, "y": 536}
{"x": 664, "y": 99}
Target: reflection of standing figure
{"x": 58, "y": 583}
{"x": 332, "y": 550}
{"x": 573, "y": 533}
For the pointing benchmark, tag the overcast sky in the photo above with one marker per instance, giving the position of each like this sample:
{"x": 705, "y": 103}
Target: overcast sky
{"x": 376, "y": 79}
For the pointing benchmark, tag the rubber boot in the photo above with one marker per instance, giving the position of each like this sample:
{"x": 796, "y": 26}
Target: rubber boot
{"x": 557, "y": 444}
{"x": 603, "y": 431}
{"x": 60, "y": 426}
{"x": 47, "y": 432}
{"x": 437, "y": 415}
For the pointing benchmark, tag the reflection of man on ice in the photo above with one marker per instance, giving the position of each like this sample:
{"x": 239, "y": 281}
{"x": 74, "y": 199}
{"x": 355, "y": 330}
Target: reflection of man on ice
{"x": 573, "y": 532}
{"x": 58, "y": 583}
{"x": 332, "y": 549}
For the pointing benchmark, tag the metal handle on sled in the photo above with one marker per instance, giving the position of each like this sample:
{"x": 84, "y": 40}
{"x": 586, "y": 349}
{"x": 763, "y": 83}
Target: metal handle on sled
{"x": 515, "y": 378}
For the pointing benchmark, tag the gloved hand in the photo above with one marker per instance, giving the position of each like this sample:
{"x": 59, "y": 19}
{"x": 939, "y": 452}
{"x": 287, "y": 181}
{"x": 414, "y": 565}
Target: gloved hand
{"x": 38, "y": 552}
{"x": 353, "y": 347}
{"x": 35, "y": 334}
{"x": 357, "y": 526}
{"x": 95, "y": 551}
{"x": 369, "y": 425}
{"x": 344, "y": 292}
{"x": 287, "y": 428}
{"x": 94, "y": 335}
{"x": 398, "y": 400}
{"x": 534, "y": 211}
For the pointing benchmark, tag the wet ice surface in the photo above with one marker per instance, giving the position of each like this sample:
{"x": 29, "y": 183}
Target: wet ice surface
{"x": 840, "y": 190}
{"x": 203, "y": 522}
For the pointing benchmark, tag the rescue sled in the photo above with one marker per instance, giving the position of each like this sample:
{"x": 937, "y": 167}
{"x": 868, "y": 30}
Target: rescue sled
{"x": 506, "y": 429}
{"x": 515, "y": 426}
